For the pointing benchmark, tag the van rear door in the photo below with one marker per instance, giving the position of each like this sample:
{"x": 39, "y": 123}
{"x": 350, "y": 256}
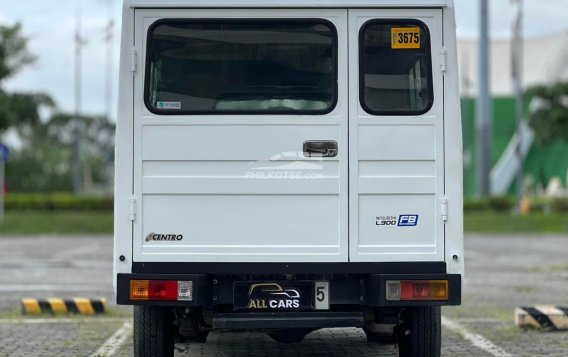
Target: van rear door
{"x": 240, "y": 136}
{"x": 396, "y": 132}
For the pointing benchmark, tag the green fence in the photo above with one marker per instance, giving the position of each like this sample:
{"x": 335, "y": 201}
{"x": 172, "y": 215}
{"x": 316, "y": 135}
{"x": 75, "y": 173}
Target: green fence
{"x": 542, "y": 163}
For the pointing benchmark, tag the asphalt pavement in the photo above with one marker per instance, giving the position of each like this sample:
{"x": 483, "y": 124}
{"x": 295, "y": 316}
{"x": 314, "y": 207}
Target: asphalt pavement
{"x": 502, "y": 271}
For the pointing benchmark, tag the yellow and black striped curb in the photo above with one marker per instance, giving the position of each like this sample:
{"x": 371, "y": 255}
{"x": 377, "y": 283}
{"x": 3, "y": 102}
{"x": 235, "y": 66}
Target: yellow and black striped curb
{"x": 82, "y": 306}
{"x": 547, "y": 317}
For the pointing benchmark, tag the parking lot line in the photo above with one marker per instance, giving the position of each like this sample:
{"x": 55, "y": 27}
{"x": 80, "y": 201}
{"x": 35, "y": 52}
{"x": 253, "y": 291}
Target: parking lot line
{"x": 114, "y": 342}
{"x": 475, "y": 339}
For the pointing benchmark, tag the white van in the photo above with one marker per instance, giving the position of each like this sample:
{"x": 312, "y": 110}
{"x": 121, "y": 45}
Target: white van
{"x": 287, "y": 166}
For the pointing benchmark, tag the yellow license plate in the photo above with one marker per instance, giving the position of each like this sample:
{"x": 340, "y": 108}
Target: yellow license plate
{"x": 405, "y": 37}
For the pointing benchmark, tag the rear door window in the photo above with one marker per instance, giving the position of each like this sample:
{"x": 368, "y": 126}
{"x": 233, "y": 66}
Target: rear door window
{"x": 241, "y": 66}
{"x": 395, "y": 68}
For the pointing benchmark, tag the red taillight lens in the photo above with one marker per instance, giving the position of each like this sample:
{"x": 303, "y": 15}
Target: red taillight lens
{"x": 153, "y": 290}
{"x": 163, "y": 290}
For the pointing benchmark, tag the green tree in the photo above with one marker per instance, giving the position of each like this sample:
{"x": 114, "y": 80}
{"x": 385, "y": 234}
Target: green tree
{"x": 14, "y": 53}
{"x": 97, "y": 144}
{"x": 549, "y": 112}
{"x": 17, "y": 108}
{"x": 41, "y": 165}
{"x": 44, "y": 164}
{"x": 43, "y": 160}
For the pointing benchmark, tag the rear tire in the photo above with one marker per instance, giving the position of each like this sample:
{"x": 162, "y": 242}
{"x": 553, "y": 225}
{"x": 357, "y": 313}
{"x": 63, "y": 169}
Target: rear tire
{"x": 153, "y": 331}
{"x": 420, "y": 334}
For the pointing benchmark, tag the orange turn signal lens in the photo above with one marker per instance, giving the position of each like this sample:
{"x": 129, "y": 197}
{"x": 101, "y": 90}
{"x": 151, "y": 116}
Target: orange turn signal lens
{"x": 169, "y": 290}
{"x": 424, "y": 290}
{"x": 139, "y": 289}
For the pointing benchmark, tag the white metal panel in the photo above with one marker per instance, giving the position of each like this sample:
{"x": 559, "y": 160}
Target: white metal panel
{"x": 250, "y": 227}
{"x": 251, "y": 142}
{"x": 453, "y": 156}
{"x": 409, "y": 176}
{"x": 288, "y": 4}
{"x": 235, "y": 168}
{"x": 397, "y": 169}
{"x": 237, "y": 187}
{"x": 395, "y": 142}
{"x": 396, "y": 162}
{"x": 124, "y": 154}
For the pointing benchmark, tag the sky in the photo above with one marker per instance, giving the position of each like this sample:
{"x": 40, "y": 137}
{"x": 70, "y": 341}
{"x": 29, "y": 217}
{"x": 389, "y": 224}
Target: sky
{"x": 50, "y": 27}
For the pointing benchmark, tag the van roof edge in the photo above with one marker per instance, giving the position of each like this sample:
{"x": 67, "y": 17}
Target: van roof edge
{"x": 288, "y": 4}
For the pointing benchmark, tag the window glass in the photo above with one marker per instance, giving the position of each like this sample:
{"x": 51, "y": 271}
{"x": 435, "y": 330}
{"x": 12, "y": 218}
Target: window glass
{"x": 396, "y": 73}
{"x": 241, "y": 66}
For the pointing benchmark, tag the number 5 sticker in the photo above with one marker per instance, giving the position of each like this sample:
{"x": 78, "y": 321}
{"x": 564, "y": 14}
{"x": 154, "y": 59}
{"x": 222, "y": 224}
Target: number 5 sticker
{"x": 322, "y": 295}
{"x": 405, "y": 37}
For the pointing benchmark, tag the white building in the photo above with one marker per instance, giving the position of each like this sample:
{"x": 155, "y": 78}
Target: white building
{"x": 545, "y": 61}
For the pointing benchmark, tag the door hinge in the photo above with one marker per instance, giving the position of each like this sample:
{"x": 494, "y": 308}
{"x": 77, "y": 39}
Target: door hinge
{"x": 444, "y": 60}
{"x": 445, "y": 209}
{"x": 132, "y": 209}
{"x": 134, "y": 60}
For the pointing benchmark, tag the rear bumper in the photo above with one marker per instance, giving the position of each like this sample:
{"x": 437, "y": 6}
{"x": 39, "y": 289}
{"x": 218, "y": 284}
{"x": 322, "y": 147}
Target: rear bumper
{"x": 312, "y": 320}
{"x": 350, "y": 284}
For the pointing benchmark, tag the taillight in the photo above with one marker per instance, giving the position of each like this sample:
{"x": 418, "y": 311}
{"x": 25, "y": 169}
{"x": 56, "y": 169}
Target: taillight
{"x": 139, "y": 289}
{"x": 416, "y": 290}
{"x": 162, "y": 290}
{"x": 165, "y": 290}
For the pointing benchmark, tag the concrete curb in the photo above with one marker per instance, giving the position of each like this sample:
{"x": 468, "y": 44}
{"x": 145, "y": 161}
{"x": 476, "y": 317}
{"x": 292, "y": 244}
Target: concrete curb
{"x": 52, "y": 306}
{"x": 547, "y": 317}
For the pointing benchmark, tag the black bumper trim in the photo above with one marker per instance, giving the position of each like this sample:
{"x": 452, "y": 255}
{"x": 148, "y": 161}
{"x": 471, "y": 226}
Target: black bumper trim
{"x": 287, "y": 320}
{"x": 290, "y": 268}
{"x": 349, "y": 289}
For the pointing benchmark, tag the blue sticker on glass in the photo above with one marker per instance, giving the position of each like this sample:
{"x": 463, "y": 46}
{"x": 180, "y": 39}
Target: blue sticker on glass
{"x": 407, "y": 220}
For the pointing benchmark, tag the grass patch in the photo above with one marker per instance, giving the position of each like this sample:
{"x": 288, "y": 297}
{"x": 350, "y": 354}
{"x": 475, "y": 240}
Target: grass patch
{"x": 497, "y": 222}
{"x": 525, "y": 289}
{"x": 469, "y": 309}
{"x": 117, "y": 312}
{"x": 57, "y": 222}
{"x": 101, "y": 222}
{"x": 509, "y": 331}
{"x": 11, "y": 314}
{"x": 556, "y": 268}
